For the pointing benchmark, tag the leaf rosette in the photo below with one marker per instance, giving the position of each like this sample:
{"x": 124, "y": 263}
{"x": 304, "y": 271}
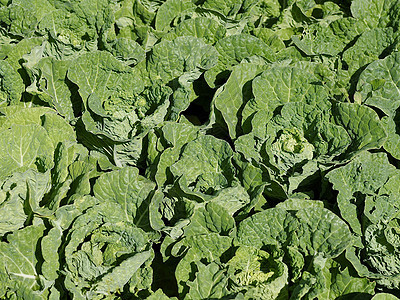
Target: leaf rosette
{"x": 104, "y": 255}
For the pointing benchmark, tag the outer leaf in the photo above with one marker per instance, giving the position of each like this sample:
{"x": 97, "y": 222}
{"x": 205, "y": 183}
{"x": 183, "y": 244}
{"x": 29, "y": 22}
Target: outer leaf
{"x": 159, "y": 295}
{"x": 379, "y": 84}
{"x": 319, "y": 39}
{"x": 12, "y": 204}
{"x": 253, "y": 233}
{"x": 18, "y": 256}
{"x": 227, "y": 8}
{"x": 19, "y": 50}
{"x": 127, "y": 189}
{"x": 170, "y": 10}
{"x": 11, "y": 85}
{"x": 212, "y": 218}
{"x": 375, "y": 12}
{"x": 362, "y": 124}
{"x": 176, "y": 135}
{"x": 279, "y": 85}
{"x": 205, "y": 164}
{"x": 210, "y": 282}
{"x": 52, "y": 86}
{"x": 120, "y": 275}
{"x": 56, "y": 127}
{"x": 23, "y": 147}
{"x": 100, "y": 244}
{"x": 14, "y": 17}
{"x": 322, "y": 232}
{"x": 384, "y": 296}
{"x": 234, "y": 49}
{"x": 208, "y": 29}
{"x": 199, "y": 249}
{"x": 368, "y": 48}
{"x": 365, "y": 174}
{"x": 346, "y": 285}
{"x": 381, "y": 242}
{"x": 39, "y": 8}
{"x": 233, "y": 95}
{"x": 127, "y": 51}
{"x": 392, "y": 144}
{"x": 70, "y": 33}
{"x": 108, "y": 76}
{"x": 169, "y": 60}
{"x": 315, "y": 231}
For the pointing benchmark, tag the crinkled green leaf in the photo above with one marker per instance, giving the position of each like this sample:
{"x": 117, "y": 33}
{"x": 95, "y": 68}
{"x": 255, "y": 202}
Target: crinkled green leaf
{"x": 24, "y": 147}
{"x": 109, "y": 79}
{"x": 52, "y": 87}
{"x": 368, "y": 48}
{"x": 232, "y": 96}
{"x": 19, "y": 19}
{"x": 392, "y": 144}
{"x": 171, "y": 59}
{"x": 362, "y": 124}
{"x": 363, "y": 175}
{"x": 127, "y": 51}
{"x": 19, "y": 259}
{"x": 234, "y": 49}
{"x": 169, "y": 11}
{"x": 13, "y": 202}
{"x": 212, "y": 218}
{"x": 384, "y": 296}
{"x": 101, "y": 244}
{"x": 379, "y": 84}
{"x": 12, "y": 85}
{"x": 279, "y": 85}
{"x": 20, "y": 49}
{"x": 56, "y": 127}
{"x": 313, "y": 230}
{"x": 208, "y": 29}
{"x": 376, "y": 12}
{"x": 319, "y": 39}
{"x": 210, "y": 282}
{"x": 127, "y": 189}
{"x": 205, "y": 164}
{"x": 70, "y": 32}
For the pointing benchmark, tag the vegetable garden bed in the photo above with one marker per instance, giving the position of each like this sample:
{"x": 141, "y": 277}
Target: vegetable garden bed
{"x": 211, "y": 149}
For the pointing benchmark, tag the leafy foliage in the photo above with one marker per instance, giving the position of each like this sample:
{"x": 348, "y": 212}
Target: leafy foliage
{"x": 182, "y": 149}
